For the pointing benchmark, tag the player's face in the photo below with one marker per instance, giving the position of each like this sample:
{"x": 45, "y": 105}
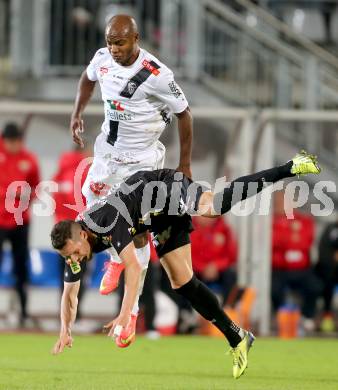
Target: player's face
{"x": 13, "y": 146}
{"x": 77, "y": 250}
{"x": 123, "y": 48}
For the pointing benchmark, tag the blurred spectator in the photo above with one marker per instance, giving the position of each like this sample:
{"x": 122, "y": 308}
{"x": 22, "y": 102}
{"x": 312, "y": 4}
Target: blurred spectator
{"x": 291, "y": 264}
{"x": 214, "y": 254}
{"x": 67, "y": 195}
{"x": 17, "y": 164}
{"x": 65, "y": 178}
{"x": 327, "y": 265}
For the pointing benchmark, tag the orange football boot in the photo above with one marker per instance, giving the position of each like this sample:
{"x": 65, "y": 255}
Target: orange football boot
{"x": 127, "y": 335}
{"x": 111, "y": 277}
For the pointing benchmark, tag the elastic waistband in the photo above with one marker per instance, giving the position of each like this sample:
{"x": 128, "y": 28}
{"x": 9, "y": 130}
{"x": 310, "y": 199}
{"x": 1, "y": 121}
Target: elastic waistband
{"x": 135, "y": 153}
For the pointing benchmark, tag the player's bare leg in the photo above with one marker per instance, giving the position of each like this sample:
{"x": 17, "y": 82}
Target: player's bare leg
{"x": 177, "y": 264}
{"x": 214, "y": 204}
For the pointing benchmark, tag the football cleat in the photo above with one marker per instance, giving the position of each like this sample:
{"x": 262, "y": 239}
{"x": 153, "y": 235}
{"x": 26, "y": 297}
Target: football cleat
{"x": 304, "y": 163}
{"x": 111, "y": 277}
{"x": 240, "y": 355}
{"x": 128, "y": 334}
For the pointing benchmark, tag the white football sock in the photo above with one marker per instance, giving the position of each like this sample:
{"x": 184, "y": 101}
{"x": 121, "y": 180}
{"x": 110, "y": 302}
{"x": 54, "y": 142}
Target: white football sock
{"x": 114, "y": 257}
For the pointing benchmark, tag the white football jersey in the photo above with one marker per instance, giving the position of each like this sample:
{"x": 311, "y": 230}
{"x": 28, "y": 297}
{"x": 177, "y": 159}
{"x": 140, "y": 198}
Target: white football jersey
{"x": 139, "y": 99}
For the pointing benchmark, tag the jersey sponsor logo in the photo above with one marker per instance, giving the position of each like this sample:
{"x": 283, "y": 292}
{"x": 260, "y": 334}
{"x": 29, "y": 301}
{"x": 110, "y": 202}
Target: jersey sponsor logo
{"x": 115, "y": 105}
{"x": 174, "y": 88}
{"x": 75, "y": 267}
{"x": 138, "y": 79}
{"x": 107, "y": 240}
{"x": 119, "y": 116}
{"x": 103, "y": 70}
{"x": 150, "y": 67}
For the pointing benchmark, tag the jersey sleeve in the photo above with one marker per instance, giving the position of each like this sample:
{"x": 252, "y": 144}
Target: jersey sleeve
{"x": 119, "y": 235}
{"x": 169, "y": 92}
{"x": 109, "y": 225}
{"x": 73, "y": 274}
{"x": 91, "y": 72}
{"x": 91, "y": 68}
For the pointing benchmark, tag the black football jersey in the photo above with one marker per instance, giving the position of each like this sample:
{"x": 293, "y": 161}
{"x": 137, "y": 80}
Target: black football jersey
{"x": 141, "y": 202}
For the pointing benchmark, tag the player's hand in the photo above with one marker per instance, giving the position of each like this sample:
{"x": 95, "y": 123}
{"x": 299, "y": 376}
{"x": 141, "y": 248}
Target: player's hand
{"x": 185, "y": 169}
{"x": 117, "y": 325}
{"x": 76, "y": 127}
{"x": 65, "y": 340}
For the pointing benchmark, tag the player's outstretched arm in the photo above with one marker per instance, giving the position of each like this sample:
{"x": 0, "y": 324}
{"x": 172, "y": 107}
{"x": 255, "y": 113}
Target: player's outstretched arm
{"x": 84, "y": 92}
{"x": 132, "y": 276}
{"x": 68, "y": 311}
{"x": 185, "y": 130}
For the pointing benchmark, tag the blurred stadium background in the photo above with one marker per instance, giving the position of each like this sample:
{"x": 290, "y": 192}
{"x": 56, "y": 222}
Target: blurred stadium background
{"x": 260, "y": 76}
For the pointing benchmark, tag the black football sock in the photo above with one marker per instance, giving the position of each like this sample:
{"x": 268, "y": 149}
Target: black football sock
{"x": 205, "y": 302}
{"x": 246, "y": 186}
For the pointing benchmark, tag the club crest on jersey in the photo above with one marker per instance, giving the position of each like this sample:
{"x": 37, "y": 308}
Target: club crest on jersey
{"x": 115, "y": 105}
{"x": 132, "y": 86}
{"x": 150, "y": 67}
{"x": 103, "y": 71}
{"x": 24, "y": 165}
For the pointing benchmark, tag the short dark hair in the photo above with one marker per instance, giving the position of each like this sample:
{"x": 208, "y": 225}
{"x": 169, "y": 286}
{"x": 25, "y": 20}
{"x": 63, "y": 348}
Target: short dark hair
{"x": 61, "y": 232}
{"x": 12, "y": 131}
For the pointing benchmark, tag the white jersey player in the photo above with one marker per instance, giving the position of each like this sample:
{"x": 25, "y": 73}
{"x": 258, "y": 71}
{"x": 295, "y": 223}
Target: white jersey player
{"x": 139, "y": 101}
{"x": 140, "y": 96}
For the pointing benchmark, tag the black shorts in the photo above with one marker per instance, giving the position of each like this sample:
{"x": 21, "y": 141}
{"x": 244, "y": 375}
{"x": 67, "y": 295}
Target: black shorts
{"x": 170, "y": 233}
{"x": 171, "y": 225}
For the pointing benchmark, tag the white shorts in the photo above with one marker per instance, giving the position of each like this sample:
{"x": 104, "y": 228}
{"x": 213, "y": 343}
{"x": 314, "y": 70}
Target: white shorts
{"x": 111, "y": 166}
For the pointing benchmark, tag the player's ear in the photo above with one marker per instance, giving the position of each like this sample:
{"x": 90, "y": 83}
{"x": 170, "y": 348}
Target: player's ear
{"x": 136, "y": 37}
{"x": 83, "y": 234}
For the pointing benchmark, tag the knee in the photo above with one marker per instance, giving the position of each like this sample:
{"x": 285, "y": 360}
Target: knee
{"x": 141, "y": 240}
{"x": 188, "y": 289}
{"x": 176, "y": 284}
{"x": 181, "y": 280}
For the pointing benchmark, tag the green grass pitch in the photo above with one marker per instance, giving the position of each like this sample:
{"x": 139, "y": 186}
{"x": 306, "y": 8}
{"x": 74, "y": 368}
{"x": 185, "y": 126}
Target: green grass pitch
{"x": 169, "y": 363}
